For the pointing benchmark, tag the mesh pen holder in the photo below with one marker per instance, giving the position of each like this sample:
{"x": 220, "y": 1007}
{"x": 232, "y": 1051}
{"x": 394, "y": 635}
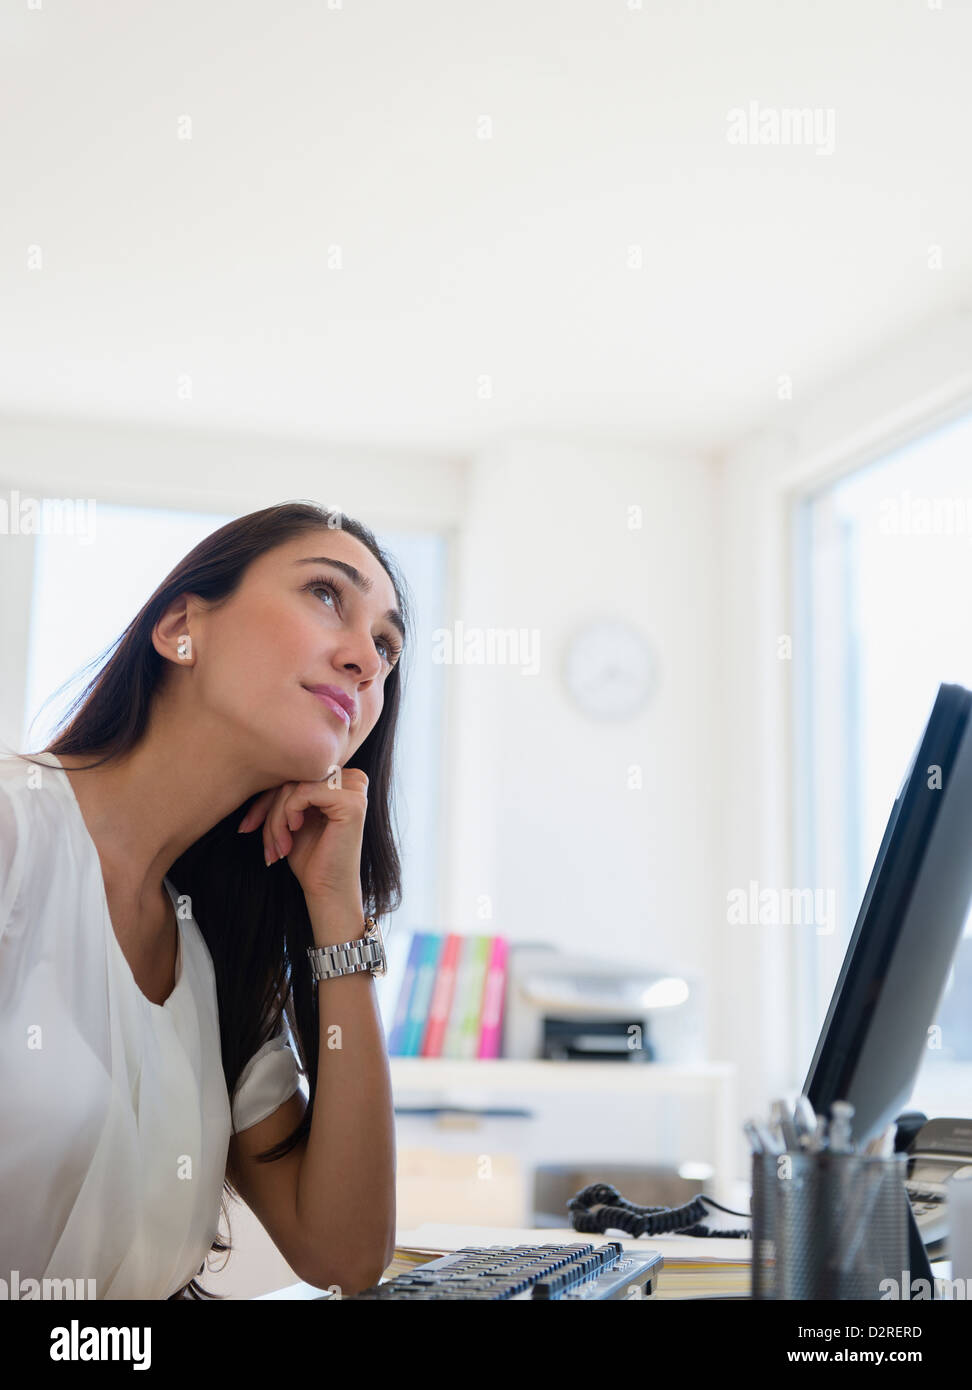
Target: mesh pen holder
{"x": 827, "y": 1225}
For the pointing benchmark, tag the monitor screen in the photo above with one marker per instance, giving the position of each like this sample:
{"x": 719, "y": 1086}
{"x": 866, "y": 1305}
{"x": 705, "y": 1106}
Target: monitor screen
{"x": 910, "y": 922}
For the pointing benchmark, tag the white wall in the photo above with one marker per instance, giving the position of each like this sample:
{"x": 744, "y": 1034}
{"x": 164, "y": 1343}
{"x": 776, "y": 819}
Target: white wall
{"x": 543, "y": 821}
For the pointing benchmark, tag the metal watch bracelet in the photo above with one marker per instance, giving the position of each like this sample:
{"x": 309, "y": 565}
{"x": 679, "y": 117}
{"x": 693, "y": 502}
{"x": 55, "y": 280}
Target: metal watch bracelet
{"x": 349, "y": 957}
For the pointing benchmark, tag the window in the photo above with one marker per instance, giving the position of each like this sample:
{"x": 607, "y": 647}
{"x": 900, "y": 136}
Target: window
{"x": 883, "y": 582}
{"x": 84, "y": 595}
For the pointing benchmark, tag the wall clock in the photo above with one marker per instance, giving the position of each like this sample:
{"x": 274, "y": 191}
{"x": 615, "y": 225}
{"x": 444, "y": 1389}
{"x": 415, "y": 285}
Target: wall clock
{"x": 611, "y": 670}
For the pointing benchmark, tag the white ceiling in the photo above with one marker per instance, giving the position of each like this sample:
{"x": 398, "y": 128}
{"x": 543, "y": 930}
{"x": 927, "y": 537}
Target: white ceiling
{"x": 356, "y": 126}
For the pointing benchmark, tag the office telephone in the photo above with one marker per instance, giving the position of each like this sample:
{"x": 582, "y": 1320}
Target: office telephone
{"x": 940, "y": 1150}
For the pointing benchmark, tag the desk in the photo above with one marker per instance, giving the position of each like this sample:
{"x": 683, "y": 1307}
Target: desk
{"x": 435, "y": 1239}
{"x": 732, "y": 1280}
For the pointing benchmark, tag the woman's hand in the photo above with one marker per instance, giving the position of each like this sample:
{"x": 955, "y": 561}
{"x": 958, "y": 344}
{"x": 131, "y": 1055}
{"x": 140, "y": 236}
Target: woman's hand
{"x": 317, "y": 827}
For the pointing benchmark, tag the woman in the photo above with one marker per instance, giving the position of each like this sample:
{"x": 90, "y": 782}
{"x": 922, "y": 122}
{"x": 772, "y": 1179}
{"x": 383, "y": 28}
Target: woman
{"x": 203, "y": 819}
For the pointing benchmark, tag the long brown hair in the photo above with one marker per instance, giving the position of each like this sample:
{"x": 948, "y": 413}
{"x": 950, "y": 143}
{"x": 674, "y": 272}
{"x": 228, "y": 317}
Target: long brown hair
{"x": 255, "y": 924}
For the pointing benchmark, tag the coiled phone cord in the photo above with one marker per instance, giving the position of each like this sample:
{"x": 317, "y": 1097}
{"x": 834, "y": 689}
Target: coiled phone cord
{"x": 599, "y": 1206}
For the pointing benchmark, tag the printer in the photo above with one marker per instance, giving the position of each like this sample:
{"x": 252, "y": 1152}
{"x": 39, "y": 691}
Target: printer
{"x": 569, "y": 1007}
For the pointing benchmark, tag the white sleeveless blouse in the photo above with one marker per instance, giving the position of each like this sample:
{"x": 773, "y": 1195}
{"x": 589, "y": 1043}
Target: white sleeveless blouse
{"x": 114, "y": 1113}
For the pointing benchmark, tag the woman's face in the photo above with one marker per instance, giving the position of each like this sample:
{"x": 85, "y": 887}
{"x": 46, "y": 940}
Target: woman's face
{"x": 286, "y": 630}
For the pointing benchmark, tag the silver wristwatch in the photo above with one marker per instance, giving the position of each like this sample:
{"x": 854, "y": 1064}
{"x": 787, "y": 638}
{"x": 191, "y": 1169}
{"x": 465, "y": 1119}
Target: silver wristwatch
{"x": 348, "y": 957}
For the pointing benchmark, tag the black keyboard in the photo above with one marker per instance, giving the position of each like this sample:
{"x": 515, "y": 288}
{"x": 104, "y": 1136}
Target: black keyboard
{"x": 526, "y": 1271}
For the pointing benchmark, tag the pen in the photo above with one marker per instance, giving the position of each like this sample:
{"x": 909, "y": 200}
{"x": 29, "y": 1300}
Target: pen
{"x": 752, "y": 1134}
{"x": 804, "y": 1116}
{"x": 804, "y": 1122}
{"x": 771, "y": 1145}
{"x": 841, "y": 1112}
{"x": 818, "y": 1139}
{"x": 777, "y": 1142}
{"x": 780, "y": 1115}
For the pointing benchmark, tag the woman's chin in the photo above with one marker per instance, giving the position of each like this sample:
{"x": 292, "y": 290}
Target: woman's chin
{"x": 329, "y": 754}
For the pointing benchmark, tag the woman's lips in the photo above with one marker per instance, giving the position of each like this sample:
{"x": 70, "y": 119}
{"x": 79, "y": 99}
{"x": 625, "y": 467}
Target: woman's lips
{"x": 339, "y": 710}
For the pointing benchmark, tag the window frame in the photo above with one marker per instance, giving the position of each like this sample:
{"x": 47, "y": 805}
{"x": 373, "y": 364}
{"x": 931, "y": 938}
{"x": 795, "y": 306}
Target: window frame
{"x": 951, "y": 1079}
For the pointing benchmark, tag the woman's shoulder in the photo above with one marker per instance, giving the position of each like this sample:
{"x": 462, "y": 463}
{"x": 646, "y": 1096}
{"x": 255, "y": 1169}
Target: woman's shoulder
{"x": 32, "y": 791}
{"x": 34, "y": 820}
{"x": 29, "y": 772}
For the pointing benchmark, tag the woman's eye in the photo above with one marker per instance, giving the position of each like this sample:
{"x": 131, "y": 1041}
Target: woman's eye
{"x": 321, "y": 586}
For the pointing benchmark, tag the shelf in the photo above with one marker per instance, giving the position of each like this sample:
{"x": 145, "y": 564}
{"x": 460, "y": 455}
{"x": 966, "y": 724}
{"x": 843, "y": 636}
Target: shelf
{"x": 513, "y": 1074}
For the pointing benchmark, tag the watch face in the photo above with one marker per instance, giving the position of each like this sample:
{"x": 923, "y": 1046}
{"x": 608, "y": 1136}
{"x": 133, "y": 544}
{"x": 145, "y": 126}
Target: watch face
{"x": 374, "y": 934}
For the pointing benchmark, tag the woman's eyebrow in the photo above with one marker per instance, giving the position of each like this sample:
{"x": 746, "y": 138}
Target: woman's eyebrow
{"x": 360, "y": 582}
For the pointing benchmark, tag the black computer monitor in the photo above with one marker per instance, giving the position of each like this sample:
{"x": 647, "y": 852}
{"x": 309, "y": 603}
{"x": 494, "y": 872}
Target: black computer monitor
{"x": 916, "y": 904}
